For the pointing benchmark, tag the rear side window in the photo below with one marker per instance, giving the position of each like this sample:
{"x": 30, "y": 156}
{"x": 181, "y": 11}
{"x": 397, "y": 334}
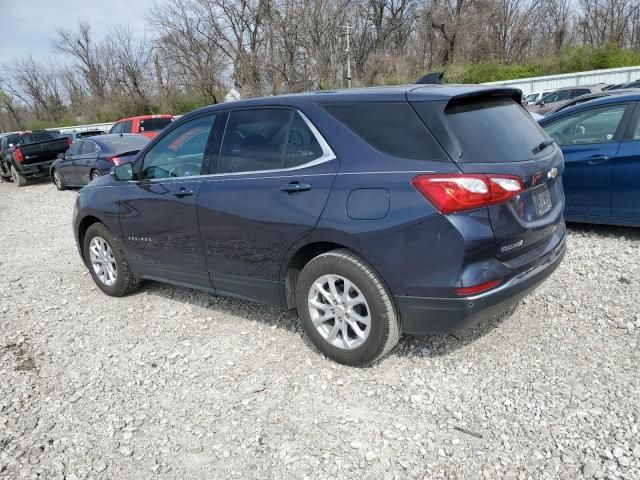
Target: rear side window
{"x": 493, "y": 130}
{"x": 255, "y": 140}
{"x": 88, "y": 147}
{"x": 154, "y": 124}
{"x": 391, "y": 127}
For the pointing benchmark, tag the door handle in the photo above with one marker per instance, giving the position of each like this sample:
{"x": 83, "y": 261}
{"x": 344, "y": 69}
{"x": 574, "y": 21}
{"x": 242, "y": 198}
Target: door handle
{"x": 598, "y": 159}
{"x": 294, "y": 187}
{"x": 183, "y": 192}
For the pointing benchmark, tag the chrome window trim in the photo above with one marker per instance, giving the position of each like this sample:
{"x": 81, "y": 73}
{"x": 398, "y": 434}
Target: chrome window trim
{"x": 327, "y": 156}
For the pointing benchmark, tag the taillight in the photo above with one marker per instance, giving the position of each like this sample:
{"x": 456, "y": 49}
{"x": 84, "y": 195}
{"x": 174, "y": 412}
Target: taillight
{"x": 117, "y": 160}
{"x": 19, "y": 155}
{"x": 454, "y": 193}
{"x": 69, "y": 141}
{"x": 483, "y": 287}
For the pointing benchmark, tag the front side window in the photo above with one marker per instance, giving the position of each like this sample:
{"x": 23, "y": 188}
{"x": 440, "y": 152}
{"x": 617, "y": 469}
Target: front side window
{"x": 596, "y": 125}
{"x": 127, "y": 126}
{"x": 255, "y": 140}
{"x": 179, "y": 153}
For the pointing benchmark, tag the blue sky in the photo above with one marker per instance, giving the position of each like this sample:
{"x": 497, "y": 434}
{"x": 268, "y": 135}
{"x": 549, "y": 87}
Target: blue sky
{"x": 28, "y": 26}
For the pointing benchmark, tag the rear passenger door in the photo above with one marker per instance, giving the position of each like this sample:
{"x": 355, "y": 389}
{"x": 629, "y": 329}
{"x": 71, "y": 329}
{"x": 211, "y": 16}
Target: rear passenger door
{"x": 68, "y": 164}
{"x": 271, "y": 183}
{"x": 86, "y": 161}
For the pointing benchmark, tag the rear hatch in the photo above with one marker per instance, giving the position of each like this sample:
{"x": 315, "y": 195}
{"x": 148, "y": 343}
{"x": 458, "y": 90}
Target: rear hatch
{"x": 488, "y": 132}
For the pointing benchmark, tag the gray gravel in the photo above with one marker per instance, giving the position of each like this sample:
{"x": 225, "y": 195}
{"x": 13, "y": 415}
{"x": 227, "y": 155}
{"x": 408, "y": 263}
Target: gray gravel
{"x": 172, "y": 383}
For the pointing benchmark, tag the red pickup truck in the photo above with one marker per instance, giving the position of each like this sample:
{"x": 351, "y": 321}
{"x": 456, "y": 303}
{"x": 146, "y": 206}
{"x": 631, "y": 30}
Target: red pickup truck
{"x": 147, "y": 125}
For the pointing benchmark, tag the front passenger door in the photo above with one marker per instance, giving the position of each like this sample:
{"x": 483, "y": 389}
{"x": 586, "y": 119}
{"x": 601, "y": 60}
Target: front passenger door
{"x": 625, "y": 195}
{"x": 589, "y": 139}
{"x": 158, "y": 209}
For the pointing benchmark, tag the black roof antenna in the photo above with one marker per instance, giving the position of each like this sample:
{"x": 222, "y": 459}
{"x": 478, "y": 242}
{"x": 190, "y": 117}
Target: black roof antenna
{"x": 434, "y": 78}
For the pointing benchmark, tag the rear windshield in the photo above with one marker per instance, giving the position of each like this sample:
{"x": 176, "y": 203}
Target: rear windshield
{"x": 120, "y": 144}
{"x": 154, "y": 124}
{"x": 494, "y": 130}
{"x": 391, "y": 127}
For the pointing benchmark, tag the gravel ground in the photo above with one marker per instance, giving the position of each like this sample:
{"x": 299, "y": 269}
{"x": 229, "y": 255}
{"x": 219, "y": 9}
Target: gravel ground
{"x": 173, "y": 383}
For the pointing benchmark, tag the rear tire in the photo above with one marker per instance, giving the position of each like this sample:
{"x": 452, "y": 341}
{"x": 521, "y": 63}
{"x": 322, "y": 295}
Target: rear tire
{"x": 105, "y": 257}
{"x": 358, "y": 307}
{"x": 58, "y": 180}
{"x": 19, "y": 179}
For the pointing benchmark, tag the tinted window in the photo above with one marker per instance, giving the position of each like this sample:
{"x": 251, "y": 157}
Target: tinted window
{"x": 88, "y": 147}
{"x": 302, "y": 145}
{"x": 154, "y": 124}
{"x": 26, "y": 139}
{"x": 559, "y": 96}
{"x": 75, "y": 148}
{"x": 41, "y": 136}
{"x": 117, "y": 128}
{"x": 12, "y": 139}
{"x": 580, "y": 91}
{"x": 255, "y": 140}
{"x": 392, "y": 128}
{"x": 493, "y": 130}
{"x": 127, "y": 126}
{"x": 181, "y": 152}
{"x": 596, "y": 125}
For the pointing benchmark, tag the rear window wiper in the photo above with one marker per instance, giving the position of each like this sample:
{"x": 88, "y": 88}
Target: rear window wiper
{"x": 542, "y": 145}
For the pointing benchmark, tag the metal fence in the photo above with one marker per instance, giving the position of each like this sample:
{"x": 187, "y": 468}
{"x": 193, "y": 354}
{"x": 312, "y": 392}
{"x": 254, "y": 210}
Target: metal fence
{"x": 553, "y": 82}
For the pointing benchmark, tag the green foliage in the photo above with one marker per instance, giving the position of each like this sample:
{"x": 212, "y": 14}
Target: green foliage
{"x": 574, "y": 59}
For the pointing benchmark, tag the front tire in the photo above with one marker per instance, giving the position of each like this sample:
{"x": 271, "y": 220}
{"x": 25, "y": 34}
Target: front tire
{"x": 346, "y": 310}
{"x": 107, "y": 263}
{"x": 19, "y": 179}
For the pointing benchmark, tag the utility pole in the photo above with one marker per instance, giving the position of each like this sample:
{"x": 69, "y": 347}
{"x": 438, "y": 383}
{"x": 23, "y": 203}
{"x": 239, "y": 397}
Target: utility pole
{"x": 347, "y": 32}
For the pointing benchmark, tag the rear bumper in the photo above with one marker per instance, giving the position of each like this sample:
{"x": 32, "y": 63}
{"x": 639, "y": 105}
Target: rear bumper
{"x": 38, "y": 169}
{"x": 422, "y": 315}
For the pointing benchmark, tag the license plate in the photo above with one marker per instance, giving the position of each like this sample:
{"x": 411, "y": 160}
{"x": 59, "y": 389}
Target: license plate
{"x": 542, "y": 200}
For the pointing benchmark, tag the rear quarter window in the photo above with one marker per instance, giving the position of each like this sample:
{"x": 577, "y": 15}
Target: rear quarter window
{"x": 390, "y": 127}
{"x": 493, "y": 130}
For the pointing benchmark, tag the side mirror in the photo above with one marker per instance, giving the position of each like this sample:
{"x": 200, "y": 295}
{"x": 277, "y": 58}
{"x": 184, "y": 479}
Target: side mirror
{"x": 122, "y": 172}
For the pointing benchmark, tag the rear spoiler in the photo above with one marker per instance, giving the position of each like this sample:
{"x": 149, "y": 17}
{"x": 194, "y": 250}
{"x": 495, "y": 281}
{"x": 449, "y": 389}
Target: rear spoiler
{"x": 514, "y": 93}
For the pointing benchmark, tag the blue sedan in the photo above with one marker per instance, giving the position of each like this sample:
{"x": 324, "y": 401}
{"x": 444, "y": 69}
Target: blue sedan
{"x": 89, "y": 158}
{"x": 600, "y": 140}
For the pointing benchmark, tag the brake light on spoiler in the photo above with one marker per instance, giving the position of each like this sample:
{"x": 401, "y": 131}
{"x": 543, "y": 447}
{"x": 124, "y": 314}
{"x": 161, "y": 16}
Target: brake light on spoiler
{"x": 452, "y": 193}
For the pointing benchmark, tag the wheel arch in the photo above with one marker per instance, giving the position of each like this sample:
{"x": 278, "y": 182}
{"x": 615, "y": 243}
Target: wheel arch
{"x": 83, "y": 226}
{"x": 302, "y": 255}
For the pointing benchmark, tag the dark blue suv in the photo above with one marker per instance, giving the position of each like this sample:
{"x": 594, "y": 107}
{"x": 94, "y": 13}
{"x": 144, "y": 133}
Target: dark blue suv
{"x": 373, "y": 212}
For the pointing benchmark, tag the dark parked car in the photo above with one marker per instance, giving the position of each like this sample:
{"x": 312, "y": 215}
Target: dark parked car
{"x": 600, "y": 140}
{"x": 373, "y": 212}
{"x": 29, "y": 154}
{"x": 558, "y": 97}
{"x": 87, "y": 159}
{"x": 592, "y": 96}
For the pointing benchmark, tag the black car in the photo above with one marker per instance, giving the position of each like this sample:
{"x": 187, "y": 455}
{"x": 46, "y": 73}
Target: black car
{"x": 91, "y": 157}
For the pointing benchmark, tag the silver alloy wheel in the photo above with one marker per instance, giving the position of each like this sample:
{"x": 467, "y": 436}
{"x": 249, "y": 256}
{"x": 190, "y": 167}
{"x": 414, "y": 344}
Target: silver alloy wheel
{"x": 14, "y": 175}
{"x": 57, "y": 179}
{"x": 339, "y": 311}
{"x": 102, "y": 261}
